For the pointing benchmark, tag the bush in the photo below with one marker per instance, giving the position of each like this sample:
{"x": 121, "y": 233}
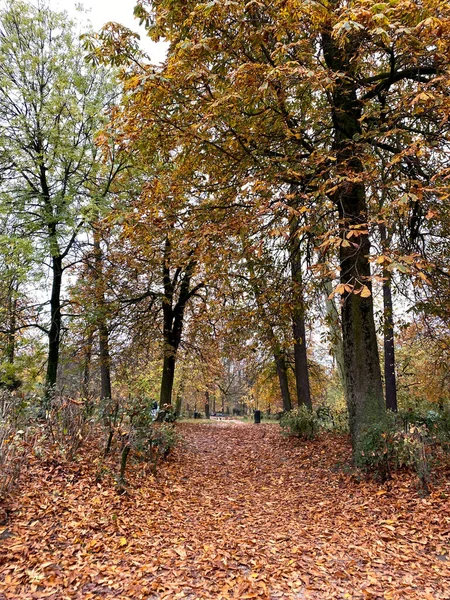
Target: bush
{"x": 68, "y": 424}
{"x": 14, "y": 443}
{"x": 300, "y": 422}
{"x": 409, "y": 440}
{"x": 333, "y": 419}
{"x": 157, "y": 442}
{"x": 146, "y": 438}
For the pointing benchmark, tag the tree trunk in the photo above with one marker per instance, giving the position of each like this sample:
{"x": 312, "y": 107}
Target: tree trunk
{"x": 12, "y": 317}
{"x": 298, "y": 318}
{"x": 334, "y": 322}
{"x": 178, "y": 401}
{"x": 207, "y": 411}
{"x": 105, "y": 361}
{"x": 102, "y": 325}
{"x": 388, "y": 334}
{"x": 86, "y": 374}
{"x": 168, "y": 376}
{"x": 54, "y": 336}
{"x": 301, "y": 363}
{"x": 362, "y": 366}
{"x": 280, "y": 362}
{"x": 173, "y": 317}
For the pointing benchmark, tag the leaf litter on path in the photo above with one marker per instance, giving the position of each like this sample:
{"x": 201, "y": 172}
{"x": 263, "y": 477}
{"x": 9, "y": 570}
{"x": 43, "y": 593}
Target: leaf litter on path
{"x": 239, "y": 511}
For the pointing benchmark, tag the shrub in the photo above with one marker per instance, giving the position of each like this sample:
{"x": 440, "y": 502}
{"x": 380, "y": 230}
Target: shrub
{"x": 300, "y": 422}
{"x": 149, "y": 440}
{"x": 333, "y": 419}
{"x": 406, "y": 440}
{"x": 14, "y": 443}
{"x": 157, "y": 442}
{"x": 68, "y": 424}
{"x": 376, "y": 450}
{"x": 443, "y": 429}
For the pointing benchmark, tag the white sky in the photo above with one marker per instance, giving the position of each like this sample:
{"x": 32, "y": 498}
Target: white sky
{"x": 121, "y": 11}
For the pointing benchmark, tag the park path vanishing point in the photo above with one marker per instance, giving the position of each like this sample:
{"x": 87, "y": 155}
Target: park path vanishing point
{"x": 238, "y": 512}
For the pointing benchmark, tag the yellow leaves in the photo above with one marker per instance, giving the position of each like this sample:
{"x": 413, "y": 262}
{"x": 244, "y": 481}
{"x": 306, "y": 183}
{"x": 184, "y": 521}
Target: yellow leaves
{"x": 343, "y": 288}
{"x": 123, "y": 542}
{"x": 132, "y": 82}
{"x": 364, "y": 292}
{"x": 344, "y": 28}
{"x": 422, "y": 98}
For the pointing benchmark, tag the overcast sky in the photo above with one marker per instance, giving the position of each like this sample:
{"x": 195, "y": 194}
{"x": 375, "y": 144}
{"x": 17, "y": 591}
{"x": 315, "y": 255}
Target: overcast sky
{"x": 103, "y": 11}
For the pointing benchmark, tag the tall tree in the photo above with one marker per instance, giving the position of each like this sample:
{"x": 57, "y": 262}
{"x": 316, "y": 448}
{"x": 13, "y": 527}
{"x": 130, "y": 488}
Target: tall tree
{"x": 51, "y": 106}
{"x": 301, "y": 93}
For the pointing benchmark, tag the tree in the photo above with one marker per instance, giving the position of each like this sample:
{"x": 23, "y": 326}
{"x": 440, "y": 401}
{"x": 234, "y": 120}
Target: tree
{"x": 16, "y": 269}
{"x": 51, "y": 106}
{"x": 298, "y": 93}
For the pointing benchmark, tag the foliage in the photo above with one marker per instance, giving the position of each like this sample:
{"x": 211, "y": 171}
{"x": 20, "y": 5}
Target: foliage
{"x": 300, "y": 422}
{"x": 241, "y": 511}
{"x": 67, "y": 425}
{"x": 142, "y": 436}
{"x": 333, "y": 418}
{"x": 15, "y": 443}
{"x": 422, "y": 359}
{"x": 409, "y": 440}
{"x": 52, "y": 104}
{"x": 156, "y": 442}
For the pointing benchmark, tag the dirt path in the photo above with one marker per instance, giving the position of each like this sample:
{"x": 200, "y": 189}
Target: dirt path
{"x": 239, "y": 512}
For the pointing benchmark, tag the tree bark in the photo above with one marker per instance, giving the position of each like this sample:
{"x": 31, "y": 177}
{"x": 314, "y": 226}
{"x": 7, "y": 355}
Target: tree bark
{"x": 54, "y": 335}
{"x": 298, "y": 318}
{"x": 390, "y": 381}
{"x": 168, "y": 377}
{"x": 282, "y": 372}
{"x": 86, "y": 373}
{"x": 207, "y": 409}
{"x": 362, "y": 366}
{"x": 178, "y": 401}
{"x": 12, "y": 318}
{"x": 173, "y": 319}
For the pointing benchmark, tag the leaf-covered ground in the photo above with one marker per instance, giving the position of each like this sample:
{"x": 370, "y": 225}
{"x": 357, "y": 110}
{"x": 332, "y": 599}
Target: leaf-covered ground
{"x": 237, "y": 512}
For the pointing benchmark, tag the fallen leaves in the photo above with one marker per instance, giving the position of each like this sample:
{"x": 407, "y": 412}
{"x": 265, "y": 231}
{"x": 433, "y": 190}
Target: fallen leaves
{"x": 238, "y": 512}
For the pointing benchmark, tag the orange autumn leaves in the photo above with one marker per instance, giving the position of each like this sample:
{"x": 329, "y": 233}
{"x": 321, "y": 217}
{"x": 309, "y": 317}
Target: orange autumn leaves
{"x": 238, "y": 512}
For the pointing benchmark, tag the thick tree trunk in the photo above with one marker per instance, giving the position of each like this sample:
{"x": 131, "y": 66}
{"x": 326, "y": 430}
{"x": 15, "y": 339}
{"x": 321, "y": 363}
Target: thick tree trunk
{"x": 362, "y": 366}
{"x": 173, "y": 317}
{"x": 300, "y": 358}
{"x": 298, "y": 318}
{"x": 388, "y": 335}
{"x": 168, "y": 377}
{"x": 54, "y": 336}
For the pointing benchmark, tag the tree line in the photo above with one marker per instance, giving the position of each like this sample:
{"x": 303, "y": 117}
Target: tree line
{"x": 282, "y": 177}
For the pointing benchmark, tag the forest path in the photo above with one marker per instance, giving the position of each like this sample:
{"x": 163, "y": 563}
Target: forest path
{"x": 237, "y": 512}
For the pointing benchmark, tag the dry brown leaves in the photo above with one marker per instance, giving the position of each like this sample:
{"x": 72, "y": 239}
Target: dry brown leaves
{"x": 237, "y": 512}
